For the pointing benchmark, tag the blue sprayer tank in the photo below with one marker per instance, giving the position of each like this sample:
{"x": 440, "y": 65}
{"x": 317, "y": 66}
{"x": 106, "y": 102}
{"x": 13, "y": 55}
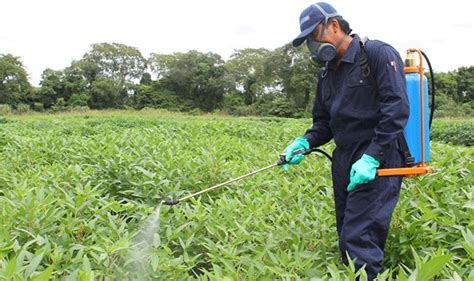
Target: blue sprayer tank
{"x": 413, "y": 127}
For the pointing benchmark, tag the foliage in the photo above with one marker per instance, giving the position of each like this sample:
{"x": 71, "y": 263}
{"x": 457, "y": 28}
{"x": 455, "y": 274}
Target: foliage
{"x": 37, "y": 106}
{"x": 457, "y": 132}
{"x": 5, "y": 109}
{"x": 455, "y": 93}
{"x": 74, "y": 190}
{"x": 246, "y": 69}
{"x": 51, "y": 87}
{"x": 297, "y": 75}
{"x": 149, "y": 96}
{"x": 465, "y": 83}
{"x": 279, "y": 82}
{"x": 14, "y": 85}
{"x": 198, "y": 80}
{"x": 245, "y": 110}
{"x": 119, "y": 62}
{"x": 22, "y": 108}
{"x": 231, "y": 102}
{"x": 78, "y": 100}
{"x": 106, "y": 93}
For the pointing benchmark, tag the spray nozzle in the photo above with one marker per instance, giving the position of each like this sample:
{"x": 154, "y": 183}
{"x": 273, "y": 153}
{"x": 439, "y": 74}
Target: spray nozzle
{"x": 303, "y": 151}
{"x": 171, "y": 202}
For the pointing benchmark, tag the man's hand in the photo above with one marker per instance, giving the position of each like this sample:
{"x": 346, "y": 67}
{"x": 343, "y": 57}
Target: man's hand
{"x": 363, "y": 171}
{"x": 300, "y": 143}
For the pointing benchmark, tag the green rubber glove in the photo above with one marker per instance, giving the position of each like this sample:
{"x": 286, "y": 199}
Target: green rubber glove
{"x": 299, "y": 143}
{"x": 363, "y": 171}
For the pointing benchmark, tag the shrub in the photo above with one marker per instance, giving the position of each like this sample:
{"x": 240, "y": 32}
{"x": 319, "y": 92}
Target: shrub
{"x": 78, "y": 100}
{"x": 282, "y": 107}
{"x": 79, "y": 108}
{"x": 453, "y": 131}
{"x": 22, "y": 108}
{"x": 245, "y": 110}
{"x": 195, "y": 112}
{"x": 38, "y": 106}
{"x": 5, "y": 109}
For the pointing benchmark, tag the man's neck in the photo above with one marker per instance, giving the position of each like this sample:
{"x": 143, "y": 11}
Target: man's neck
{"x": 341, "y": 51}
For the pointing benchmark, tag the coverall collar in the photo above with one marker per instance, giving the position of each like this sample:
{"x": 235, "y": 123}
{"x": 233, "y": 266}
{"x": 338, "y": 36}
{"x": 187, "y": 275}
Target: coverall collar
{"x": 350, "y": 54}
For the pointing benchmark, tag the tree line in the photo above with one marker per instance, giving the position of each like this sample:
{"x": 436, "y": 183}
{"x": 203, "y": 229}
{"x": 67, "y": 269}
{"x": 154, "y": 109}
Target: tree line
{"x": 252, "y": 82}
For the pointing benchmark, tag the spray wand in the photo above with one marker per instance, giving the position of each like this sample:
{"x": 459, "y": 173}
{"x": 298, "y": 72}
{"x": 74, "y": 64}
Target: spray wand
{"x": 282, "y": 161}
{"x": 176, "y": 201}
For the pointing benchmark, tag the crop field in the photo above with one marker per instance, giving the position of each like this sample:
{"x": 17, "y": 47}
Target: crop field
{"x": 80, "y": 200}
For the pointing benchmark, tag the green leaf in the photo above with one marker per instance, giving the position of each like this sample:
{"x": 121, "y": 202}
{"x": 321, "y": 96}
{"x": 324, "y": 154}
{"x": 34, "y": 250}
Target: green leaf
{"x": 11, "y": 266}
{"x": 86, "y": 266}
{"x": 469, "y": 204}
{"x": 469, "y": 241}
{"x": 156, "y": 240}
{"x": 45, "y": 275}
{"x": 401, "y": 275}
{"x": 30, "y": 269}
{"x": 468, "y": 236}
{"x": 155, "y": 262}
{"x": 431, "y": 268}
{"x": 146, "y": 172}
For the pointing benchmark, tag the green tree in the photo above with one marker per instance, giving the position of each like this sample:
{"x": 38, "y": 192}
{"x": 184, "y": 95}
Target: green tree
{"x": 79, "y": 100}
{"x": 14, "y": 85}
{"x": 146, "y": 79}
{"x": 51, "y": 87}
{"x": 111, "y": 73}
{"x": 445, "y": 85}
{"x": 69, "y": 85}
{"x": 123, "y": 64}
{"x": 88, "y": 70}
{"x": 105, "y": 93}
{"x": 465, "y": 83}
{"x": 295, "y": 74}
{"x": 75, "y": 85}
{"x": 159, "y": 64}
{"x": 246, "y": 69}
{"x": 150, "y": 96}
{"x": 198, "y": 80}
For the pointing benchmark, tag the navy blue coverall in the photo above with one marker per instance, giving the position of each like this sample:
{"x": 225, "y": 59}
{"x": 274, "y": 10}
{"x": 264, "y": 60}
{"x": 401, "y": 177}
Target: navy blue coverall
{"x": 363, "y": 118}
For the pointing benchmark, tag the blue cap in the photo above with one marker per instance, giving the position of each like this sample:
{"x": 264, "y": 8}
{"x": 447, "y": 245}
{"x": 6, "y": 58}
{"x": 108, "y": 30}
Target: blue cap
{"x": 311, "y": 17}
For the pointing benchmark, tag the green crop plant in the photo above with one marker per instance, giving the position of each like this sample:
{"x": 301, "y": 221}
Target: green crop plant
{"x": 75, "y": 190}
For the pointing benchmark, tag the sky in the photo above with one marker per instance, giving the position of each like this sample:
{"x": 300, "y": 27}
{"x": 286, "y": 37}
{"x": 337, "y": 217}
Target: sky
{"x": 53, "y": 33}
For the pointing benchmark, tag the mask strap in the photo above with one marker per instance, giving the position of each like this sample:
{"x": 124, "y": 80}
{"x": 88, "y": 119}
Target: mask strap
{"x": 326, "y": 15}
{"x": 322, "y": 33}
{"x": 342, "y": 41}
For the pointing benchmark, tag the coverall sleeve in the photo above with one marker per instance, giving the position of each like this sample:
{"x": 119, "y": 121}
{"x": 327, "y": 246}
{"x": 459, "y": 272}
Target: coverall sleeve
{"x": 320, "y": 133}
{"x": 394, "y": 107}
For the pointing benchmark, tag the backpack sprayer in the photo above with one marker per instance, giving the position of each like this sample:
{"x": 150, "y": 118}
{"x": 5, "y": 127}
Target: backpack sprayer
{"x": 416, "y": 140}
{"x": 417, "y": 130}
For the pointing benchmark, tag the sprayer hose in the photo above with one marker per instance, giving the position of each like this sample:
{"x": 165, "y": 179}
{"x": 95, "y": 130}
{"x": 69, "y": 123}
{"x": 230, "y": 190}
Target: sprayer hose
{"x": 432, "y": 88}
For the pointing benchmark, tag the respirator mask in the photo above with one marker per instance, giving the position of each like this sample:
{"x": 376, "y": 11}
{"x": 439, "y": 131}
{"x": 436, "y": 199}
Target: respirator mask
{"x": 320, "y": 52}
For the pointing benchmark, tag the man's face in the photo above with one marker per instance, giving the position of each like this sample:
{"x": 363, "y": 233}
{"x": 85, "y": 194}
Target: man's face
{"x": 317, "y": 34}
{"x": 313, "y": 41}
{"x": 320, "y": 44}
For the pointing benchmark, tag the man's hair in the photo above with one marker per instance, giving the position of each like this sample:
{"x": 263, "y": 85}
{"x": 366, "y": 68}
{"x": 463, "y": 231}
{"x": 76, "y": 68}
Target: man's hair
{"x": 345, "y": 26}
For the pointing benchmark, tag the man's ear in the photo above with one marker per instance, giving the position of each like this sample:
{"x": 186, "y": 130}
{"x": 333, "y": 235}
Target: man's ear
{"x": 334, "y": 25}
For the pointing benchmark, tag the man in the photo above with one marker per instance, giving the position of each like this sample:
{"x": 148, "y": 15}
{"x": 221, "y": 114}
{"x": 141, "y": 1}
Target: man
{"x": 365, "y": 113}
